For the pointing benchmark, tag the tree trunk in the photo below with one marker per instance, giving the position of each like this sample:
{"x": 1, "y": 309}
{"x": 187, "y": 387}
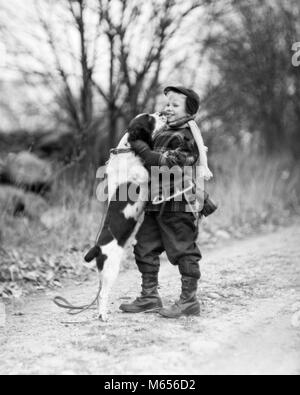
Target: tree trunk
{"x": 113, "y": 123}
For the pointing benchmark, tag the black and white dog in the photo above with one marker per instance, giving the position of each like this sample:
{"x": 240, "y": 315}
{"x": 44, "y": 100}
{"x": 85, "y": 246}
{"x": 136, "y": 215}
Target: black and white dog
{"x": 126, "y": 177}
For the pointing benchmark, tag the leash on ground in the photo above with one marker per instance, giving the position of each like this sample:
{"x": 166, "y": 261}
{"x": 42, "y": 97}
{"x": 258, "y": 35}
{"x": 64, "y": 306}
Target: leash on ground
{"x": 65, "y": 304}
{"x": 75, "y": 310}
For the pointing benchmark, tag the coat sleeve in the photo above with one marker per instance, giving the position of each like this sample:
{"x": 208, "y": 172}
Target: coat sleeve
{"x": 150, "y": 158}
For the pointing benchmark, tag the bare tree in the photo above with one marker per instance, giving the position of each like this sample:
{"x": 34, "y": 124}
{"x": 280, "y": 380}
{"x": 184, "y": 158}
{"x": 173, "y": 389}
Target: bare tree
{"x": 100, "y": 58}
{"x": 50, "y": 58}
{"x": 251, "y": 52}
{"x": 78, "y": 104}
{"x": 139, "y": 35}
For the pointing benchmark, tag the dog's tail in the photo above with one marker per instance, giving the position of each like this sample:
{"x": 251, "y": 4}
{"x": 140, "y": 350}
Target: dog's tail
{"x": 92, "y": 254}
{"x": 96, "y": 253}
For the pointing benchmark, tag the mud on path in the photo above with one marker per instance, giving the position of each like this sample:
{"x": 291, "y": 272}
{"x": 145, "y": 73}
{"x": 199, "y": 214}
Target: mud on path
{"x": 250, "y": 322}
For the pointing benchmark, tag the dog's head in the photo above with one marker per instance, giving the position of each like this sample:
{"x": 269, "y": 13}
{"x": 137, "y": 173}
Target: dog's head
{"x": 143, "y": 126}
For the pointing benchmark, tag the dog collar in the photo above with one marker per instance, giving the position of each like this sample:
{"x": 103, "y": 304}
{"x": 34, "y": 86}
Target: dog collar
{"x": 117, "y": 151}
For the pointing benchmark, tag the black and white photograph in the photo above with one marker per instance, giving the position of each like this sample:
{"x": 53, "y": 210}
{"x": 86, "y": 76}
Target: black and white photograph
{"x": 149, "y": 190}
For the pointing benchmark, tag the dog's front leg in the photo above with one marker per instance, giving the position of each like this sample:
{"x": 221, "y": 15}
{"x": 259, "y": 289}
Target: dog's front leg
{"x": 108, "y": 277}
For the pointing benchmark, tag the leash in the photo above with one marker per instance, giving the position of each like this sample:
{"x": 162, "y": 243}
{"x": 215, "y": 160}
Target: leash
{"x": 118, "y": 151}
{"x": 92, "y": 254}
{"x": 163, "y": 200}
{"x": 64, "y": 303}
{"x": 75, "y": 310}
{"x": 159, "y": 200}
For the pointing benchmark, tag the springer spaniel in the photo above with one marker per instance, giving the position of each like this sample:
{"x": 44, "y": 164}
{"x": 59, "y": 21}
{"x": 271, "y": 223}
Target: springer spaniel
{"x": 127, "y": 181}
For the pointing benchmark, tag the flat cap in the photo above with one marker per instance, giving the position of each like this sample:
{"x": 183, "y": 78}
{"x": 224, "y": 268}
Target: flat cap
{"x": 193, "y": 99}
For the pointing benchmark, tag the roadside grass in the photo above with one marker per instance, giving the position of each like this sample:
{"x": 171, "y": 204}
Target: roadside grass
{"x": 252, "y": 192}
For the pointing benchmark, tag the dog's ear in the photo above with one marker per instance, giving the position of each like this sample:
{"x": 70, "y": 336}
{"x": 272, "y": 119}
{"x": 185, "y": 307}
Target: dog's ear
{"x": 140, "y": 133}
{"x": 137, "y": 133}
{"x": 133, "y": 134}
{"x": 150, "y": 142}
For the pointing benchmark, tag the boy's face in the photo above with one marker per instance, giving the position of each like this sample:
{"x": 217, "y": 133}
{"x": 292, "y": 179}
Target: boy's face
{"x": 175, "y": 107}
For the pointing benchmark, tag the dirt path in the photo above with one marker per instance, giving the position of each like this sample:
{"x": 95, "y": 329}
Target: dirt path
{"x": 250, "y": 321}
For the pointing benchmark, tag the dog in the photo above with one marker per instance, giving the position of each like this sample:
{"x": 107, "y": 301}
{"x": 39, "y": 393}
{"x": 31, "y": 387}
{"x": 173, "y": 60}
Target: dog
{"x": 126, "y": 174}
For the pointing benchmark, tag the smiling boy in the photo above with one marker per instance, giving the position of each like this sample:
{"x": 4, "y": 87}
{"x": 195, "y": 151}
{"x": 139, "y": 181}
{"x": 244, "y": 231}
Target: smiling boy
{"x": 173, "y": 228}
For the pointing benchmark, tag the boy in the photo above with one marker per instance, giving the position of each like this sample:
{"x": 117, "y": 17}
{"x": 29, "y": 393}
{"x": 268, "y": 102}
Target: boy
{"x": 170, "y": 228}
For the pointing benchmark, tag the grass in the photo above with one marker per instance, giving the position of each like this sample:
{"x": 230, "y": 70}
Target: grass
{"x": 252, "y": 191}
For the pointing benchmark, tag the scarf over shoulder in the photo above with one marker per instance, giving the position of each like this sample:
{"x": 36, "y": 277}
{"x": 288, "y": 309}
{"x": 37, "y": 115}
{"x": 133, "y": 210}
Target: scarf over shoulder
{"x": 182, "y": 149}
